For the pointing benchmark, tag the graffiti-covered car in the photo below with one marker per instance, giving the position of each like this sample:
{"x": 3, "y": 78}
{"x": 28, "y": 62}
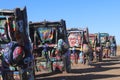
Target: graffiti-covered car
{"x": 79, "y": 44}
{"x": 50, "y": 45}
{"x": 105, "y": 43}
{"x": 113, "y": 45}
{"x": 96, "y": 46}
{"x": 75, "y": 38}
{"x": 15, "y": 44}
{"x": 93, "y": 40}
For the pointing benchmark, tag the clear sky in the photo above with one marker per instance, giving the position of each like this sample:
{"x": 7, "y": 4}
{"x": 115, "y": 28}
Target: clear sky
{"x": 97, "y": 15}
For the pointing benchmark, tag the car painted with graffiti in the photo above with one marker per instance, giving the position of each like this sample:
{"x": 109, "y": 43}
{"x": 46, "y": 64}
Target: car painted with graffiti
{"x": 15, "y": 45}
{"x": 96, "y": 46}
{"x": 50, "y": 45}
{"x": 79, "y": 44}
{"x": 105, "y": 43}
{"x": 113, "y": 45}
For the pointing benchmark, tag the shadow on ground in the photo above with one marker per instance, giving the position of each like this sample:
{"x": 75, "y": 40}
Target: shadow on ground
{"x": 79, "y": 73}
{"x": 81, "y": 77}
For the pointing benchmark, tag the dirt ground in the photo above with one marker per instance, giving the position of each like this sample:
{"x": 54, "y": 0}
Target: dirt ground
{"x": 108, "y": 69}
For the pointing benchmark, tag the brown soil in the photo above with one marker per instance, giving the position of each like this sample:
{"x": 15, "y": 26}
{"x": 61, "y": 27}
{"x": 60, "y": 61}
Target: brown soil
{"x": 108, "y": 69}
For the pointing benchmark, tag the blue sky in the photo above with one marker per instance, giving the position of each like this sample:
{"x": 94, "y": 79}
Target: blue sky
{"x": 97, "y": 15}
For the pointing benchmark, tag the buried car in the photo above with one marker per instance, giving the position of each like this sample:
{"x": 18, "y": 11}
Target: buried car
{"x": 16, "y": 45}
{"x": 50, "y": 45}
{"x": 95, "y": 43}
{"x": 105, "y": 43}
{"x": 113, "y": 46}
{"x": 79, "y": 45}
